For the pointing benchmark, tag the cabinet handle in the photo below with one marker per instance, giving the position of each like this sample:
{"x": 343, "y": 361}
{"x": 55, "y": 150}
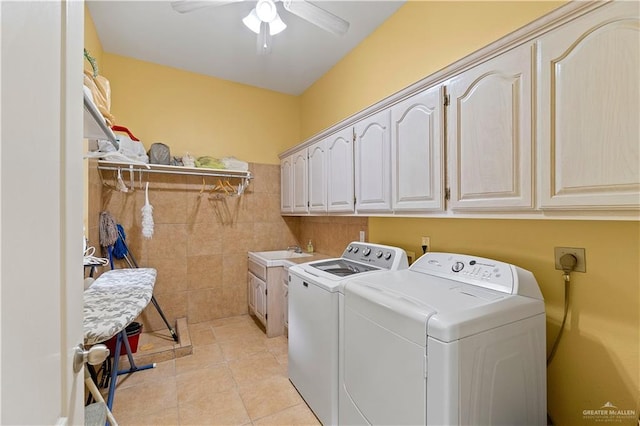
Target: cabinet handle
{"x": 305, "y": 284}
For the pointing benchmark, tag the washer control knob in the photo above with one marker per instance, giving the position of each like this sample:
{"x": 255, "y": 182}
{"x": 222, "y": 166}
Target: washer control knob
{"x": 366, "y": 251}
{"x": 379, "y": 254}
{"x": 349, "y": 249}
{"x": 457, "y": 267}
{"x": 355, "y": 249}
{"x": 387, "y": 255}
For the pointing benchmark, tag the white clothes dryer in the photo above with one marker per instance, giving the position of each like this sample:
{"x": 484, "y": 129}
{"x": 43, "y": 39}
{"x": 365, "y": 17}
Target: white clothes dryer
{"x": 453, "y": 340}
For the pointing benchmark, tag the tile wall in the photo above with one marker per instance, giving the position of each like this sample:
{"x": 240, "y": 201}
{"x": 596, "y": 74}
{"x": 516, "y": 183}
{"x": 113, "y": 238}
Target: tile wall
{"x": 200, "y": 243}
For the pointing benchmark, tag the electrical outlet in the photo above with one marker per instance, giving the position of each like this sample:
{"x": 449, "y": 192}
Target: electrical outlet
{"x": 426, "y": 241}
{"x": 581, "y": 266}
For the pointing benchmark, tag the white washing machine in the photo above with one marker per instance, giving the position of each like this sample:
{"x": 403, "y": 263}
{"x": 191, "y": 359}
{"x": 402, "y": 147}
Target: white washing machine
{"x": 313, "y": 319}
{"x": 453, "y": 340}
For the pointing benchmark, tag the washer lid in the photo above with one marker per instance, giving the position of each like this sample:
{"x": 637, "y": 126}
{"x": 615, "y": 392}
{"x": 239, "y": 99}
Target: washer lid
{"x": 416, "y": 305}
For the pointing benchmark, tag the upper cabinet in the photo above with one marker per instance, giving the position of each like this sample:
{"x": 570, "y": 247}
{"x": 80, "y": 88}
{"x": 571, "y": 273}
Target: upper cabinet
{"x": 294, "y": 197}
{"x": 317, "y": 157}
{"x": 299, "y": 188}
{"x": 490, "y": 147}
{"x": 286, "y": 185}
{"x": 340, "y": 175}
{"x": 589, "y": 104}
{"x": 372, "y": 163}
{"x": 542, "y": 123}
{"x": 417, "y": 139}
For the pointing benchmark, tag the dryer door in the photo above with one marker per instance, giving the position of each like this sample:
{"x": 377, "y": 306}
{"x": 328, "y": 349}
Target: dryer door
{"x": 384, "y": 372}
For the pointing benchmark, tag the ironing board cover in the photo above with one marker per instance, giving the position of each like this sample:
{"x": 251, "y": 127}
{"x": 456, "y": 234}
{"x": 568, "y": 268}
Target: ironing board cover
{"x": 114, "y": 300}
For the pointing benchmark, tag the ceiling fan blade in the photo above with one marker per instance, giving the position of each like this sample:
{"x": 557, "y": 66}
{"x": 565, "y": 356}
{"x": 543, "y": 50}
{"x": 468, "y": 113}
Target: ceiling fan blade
{"x": 186, "y": 6}
{"x": 317, "y": 16}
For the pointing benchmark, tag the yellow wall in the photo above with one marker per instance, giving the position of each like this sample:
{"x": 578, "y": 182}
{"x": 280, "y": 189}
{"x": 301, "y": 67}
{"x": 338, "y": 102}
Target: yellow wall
{"x": 91, "y": 40}
{"x": 598, "y": 358}
{"x": 199, "y": 114}
{"x": 421, "y": 38}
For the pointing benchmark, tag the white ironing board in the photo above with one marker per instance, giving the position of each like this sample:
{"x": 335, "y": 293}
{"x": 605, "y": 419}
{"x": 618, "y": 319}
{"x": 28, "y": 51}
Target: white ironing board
{"x": 111, "y": 303}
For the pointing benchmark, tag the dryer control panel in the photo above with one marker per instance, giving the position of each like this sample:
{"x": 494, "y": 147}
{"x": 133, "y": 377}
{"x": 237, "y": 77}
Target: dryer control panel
{"x": 479, "y": 271}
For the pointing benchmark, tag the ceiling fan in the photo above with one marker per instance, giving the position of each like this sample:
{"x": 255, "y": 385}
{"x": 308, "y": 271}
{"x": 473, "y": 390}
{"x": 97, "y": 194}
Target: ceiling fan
{"x": 265, "y": 21}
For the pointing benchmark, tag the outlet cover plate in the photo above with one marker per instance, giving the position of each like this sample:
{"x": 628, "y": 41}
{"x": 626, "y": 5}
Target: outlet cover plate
{"x": 579, "y": 253}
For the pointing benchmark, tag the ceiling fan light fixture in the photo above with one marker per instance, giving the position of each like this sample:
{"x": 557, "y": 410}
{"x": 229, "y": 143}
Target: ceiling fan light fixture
{"x": 277, "y": 26}
{"x": 266, "y": 10}
{"x": 253, "y": 20}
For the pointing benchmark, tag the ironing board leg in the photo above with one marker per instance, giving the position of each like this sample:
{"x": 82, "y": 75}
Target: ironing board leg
{"x": 133, "y": 367}
{"x": 122, "y": 338}
{"x": 171, "y": 330}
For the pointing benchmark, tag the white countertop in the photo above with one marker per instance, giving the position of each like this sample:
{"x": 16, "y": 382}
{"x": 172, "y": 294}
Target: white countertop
{"x": 284, "y": 258}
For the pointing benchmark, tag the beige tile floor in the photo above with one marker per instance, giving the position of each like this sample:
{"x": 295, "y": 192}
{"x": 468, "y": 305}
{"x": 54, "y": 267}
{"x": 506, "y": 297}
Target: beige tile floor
{"x": 235, "y": 376}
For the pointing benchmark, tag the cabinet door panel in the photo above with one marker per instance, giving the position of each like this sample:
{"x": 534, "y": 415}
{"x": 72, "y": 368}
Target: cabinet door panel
{"x": 416, "y": 152}
{"x": 317, "y": 178}
{"x": 286, "y": 187}
{"x": 251, "y": 294}
{"x": 260, "y": 299}
{"x": 373, "y": 177}
{"x": 589, "y": 109}
{"x": 490, "y": 139}
{"x": 299, "y": 184}
{"x": 340, "y": 171}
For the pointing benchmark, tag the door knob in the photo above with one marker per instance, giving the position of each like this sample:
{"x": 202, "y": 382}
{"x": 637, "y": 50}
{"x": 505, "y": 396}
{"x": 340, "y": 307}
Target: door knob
{"x": 95, "y": 355}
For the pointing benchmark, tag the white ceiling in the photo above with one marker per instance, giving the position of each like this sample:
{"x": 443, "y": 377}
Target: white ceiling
{"x": 214, "y": 41}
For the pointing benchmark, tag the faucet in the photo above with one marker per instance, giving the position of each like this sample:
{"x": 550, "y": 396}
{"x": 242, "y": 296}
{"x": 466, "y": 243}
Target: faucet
{"x": 296, "y": 249}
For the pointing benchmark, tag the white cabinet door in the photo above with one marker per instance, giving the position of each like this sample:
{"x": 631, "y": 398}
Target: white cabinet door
{"x": 286, "y": 185}
{"x": 589, "y": 105}
{"x": 285, "y": 297}
{"x": 317, "y": 177}
{"x": 489, "y": 142}
{"x": 299, "y": 182}
{"x": 417, "y": 152}
{"x": 372, "y": 164}
{"x": 251, "y": 293}
{"x": 340, "y": 171}
{"x": 260, "y": 298}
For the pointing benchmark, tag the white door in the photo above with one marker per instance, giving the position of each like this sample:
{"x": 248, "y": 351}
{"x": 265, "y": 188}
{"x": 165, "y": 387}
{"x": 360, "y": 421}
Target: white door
{"x": 417, "y": 155}
{"x": 490, "y": 149}
{"x": 286, "y": 185}
{"x": 300, "y": 189}
{"x": 589, "y": 108}
{"x": 41, "y": 217}
{"x": 340, "y": 171}
{"x": 373, "y": 175}
{"x": 318, "y": 178}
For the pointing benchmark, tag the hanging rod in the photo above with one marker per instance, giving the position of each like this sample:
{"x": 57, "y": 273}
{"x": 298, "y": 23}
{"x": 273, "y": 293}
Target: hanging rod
{"x": 175, "y": 170}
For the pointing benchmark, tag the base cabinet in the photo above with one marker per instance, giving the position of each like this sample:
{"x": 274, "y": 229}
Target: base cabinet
{"x": 265, "y": 297}
{"x": 285, "y": 300}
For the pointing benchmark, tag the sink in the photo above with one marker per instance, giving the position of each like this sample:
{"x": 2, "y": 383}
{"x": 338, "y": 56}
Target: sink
{"x": 281, "y": 254}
